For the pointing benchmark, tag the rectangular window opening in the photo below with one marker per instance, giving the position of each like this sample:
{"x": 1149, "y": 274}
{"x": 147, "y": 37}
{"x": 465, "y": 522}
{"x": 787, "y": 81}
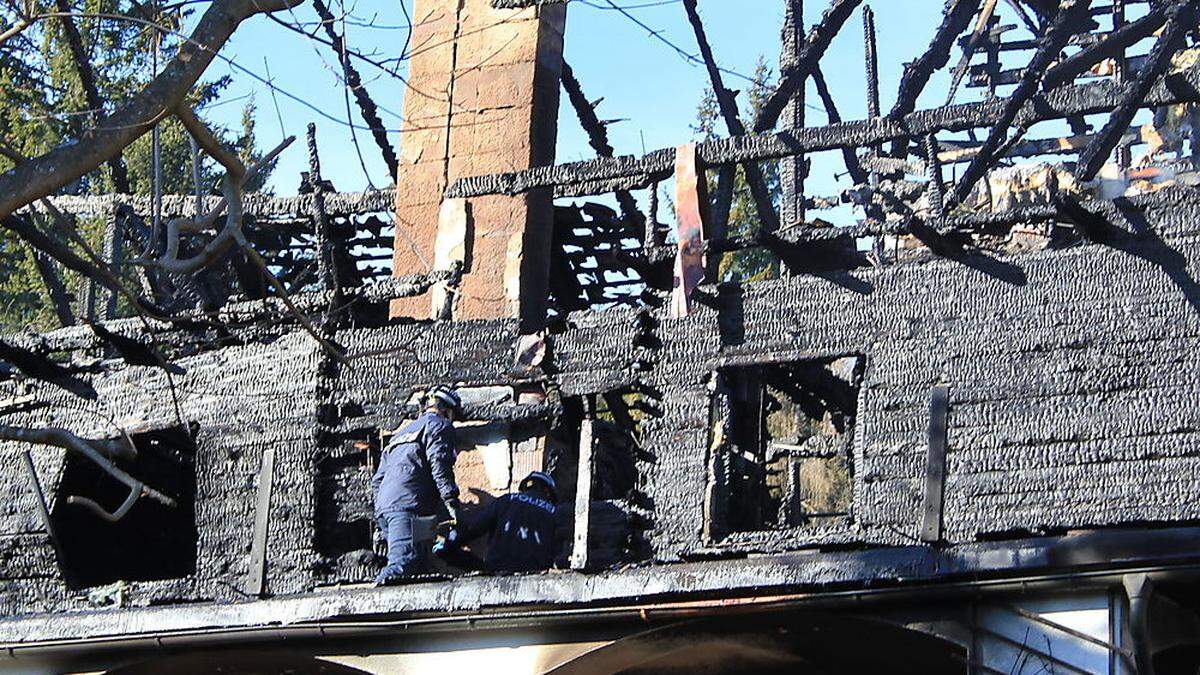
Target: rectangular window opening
{"x": 782, "y": 445}
{"x": 153, "y": 541}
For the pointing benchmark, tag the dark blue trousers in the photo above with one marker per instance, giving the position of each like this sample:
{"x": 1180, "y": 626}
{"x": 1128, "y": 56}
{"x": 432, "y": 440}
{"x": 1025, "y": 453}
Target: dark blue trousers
{"x": 403, "y": 555}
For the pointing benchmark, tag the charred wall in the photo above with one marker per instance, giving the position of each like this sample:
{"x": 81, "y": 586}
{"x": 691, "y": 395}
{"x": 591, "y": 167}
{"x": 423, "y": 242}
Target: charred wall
{"x": 1072, "y": 376}
{"x": 1071, "y": 371}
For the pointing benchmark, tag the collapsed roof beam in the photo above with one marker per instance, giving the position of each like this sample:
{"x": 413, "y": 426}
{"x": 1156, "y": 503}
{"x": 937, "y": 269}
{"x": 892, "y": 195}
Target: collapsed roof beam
{"x": 727, "y": 103}
{"x": 599, "y": 176}
{"x": 597, "y": 133}
{"x": 1069, "y": 17}
{"x": 1178, "y": 18}
{"x": 794, "y": 74}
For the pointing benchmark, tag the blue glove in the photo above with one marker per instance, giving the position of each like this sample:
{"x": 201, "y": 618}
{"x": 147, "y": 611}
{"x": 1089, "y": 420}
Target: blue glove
{"x": 446, "y": 543}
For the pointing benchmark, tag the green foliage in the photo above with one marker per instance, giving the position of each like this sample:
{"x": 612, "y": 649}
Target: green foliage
{"x": 750, "y": 264}
{"x": 43, "y": 104}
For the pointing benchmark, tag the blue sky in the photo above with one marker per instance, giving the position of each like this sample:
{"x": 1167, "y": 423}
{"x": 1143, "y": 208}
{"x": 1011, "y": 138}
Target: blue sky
{"x": 641, "y": 79}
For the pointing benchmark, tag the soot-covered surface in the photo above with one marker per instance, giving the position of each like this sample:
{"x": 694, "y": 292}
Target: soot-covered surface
{"x": 1073, "y": 405}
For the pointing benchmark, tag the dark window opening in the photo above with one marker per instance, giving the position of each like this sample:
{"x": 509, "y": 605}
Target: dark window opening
{"x": 345, "y": 508}
{"x": 153, "y": 541}
{"x": 616, "y": 526}
{"x": 782, "y": 444}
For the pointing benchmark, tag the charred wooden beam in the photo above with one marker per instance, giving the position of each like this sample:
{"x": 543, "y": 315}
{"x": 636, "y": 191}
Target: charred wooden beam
{"x": 871, "y": 56}
{"x": 793, "y": 170}
{"x": 1073, "y": 12}
{"x": 793, "y": 76}
{"x": 366, "y": 106}
{"x": 134, "y": 352}
{"x": 853, "y": 164}
{"x": 599, "y": 176}
{"x": 1133, "y": 95}
{"x": 597, "y": 138}
{"x": 1112, "y": 46}
{"x": 327, "y": 273}
{"x": 934, "y": 167}
{"x": 727, "y": 103}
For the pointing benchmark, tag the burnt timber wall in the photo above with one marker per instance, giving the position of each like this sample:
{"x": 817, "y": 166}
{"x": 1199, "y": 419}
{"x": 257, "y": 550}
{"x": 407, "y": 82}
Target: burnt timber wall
{"x": 1073, "y": 405}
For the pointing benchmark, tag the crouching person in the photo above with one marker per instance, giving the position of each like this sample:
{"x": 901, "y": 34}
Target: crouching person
{"x": 414, "y": 483}
{"x": 520, "y": 528}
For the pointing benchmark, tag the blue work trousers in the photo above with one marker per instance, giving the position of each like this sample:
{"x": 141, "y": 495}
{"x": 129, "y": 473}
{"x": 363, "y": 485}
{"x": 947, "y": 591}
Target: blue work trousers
{"x": 404, "y": 555}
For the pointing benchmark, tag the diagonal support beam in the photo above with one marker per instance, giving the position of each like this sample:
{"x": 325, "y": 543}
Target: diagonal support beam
{"x": 1133, "y": 94}
{"x": 597, "y": 137}
{"x": 955, "y": 19}
{"x": 853, "y": 164}
{"x": 793, "y": 76}
{"x": 1071, "y": 14}
{"x": 729, "y": 111}
{"x": 366, "y": 105}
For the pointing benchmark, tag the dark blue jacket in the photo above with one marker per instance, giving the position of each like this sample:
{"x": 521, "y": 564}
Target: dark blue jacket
{"x": 416, "y": 469}
{"x": 522, "y": 530}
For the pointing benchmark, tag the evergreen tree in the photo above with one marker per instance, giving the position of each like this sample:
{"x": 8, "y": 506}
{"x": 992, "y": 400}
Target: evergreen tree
{"x": 757, "y": 263}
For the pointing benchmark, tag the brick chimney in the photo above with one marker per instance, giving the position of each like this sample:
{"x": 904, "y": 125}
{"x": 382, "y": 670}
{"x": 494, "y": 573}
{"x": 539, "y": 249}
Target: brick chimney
{"x": 482, "y": 97}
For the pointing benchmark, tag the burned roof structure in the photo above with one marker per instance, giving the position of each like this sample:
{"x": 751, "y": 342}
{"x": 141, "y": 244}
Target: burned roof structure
{"x": 969, "y": 406}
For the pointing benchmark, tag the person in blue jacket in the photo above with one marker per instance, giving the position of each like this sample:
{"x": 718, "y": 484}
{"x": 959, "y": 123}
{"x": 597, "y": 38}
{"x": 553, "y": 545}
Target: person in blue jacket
{"x": 414, "y": 482}
{"x": 520, "y": 528}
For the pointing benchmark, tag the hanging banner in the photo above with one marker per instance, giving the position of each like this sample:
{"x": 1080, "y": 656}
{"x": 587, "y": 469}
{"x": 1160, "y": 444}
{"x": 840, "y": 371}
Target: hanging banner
{"x": 691, "y": 202}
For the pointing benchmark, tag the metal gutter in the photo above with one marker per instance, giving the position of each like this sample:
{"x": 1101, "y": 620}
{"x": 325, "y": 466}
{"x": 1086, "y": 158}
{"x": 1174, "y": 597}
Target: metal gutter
{"x": 547, "y": 617}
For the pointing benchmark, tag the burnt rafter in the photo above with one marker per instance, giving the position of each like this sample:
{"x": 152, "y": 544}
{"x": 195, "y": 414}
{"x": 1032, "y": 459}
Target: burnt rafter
{"x": 1178, "y": 19}
{"x": 1112, "y": 46}
{"x": 1069, "y": 17}
{"x": 955, "y": 19}
{"x": 585, "y": 110}
{"x": 727, "y": 102}
{"x": 370, "y": 112}
{"x": 853, "y": 163}
{"x": 795, "y": 73}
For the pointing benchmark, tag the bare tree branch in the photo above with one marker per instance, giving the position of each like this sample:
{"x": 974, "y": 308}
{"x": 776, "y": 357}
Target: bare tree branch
{"x": 231, "y": 187}
{"x": 99, "y": 453}
{"x": 40, "y": 177}
{"x": 209, "y": 142}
